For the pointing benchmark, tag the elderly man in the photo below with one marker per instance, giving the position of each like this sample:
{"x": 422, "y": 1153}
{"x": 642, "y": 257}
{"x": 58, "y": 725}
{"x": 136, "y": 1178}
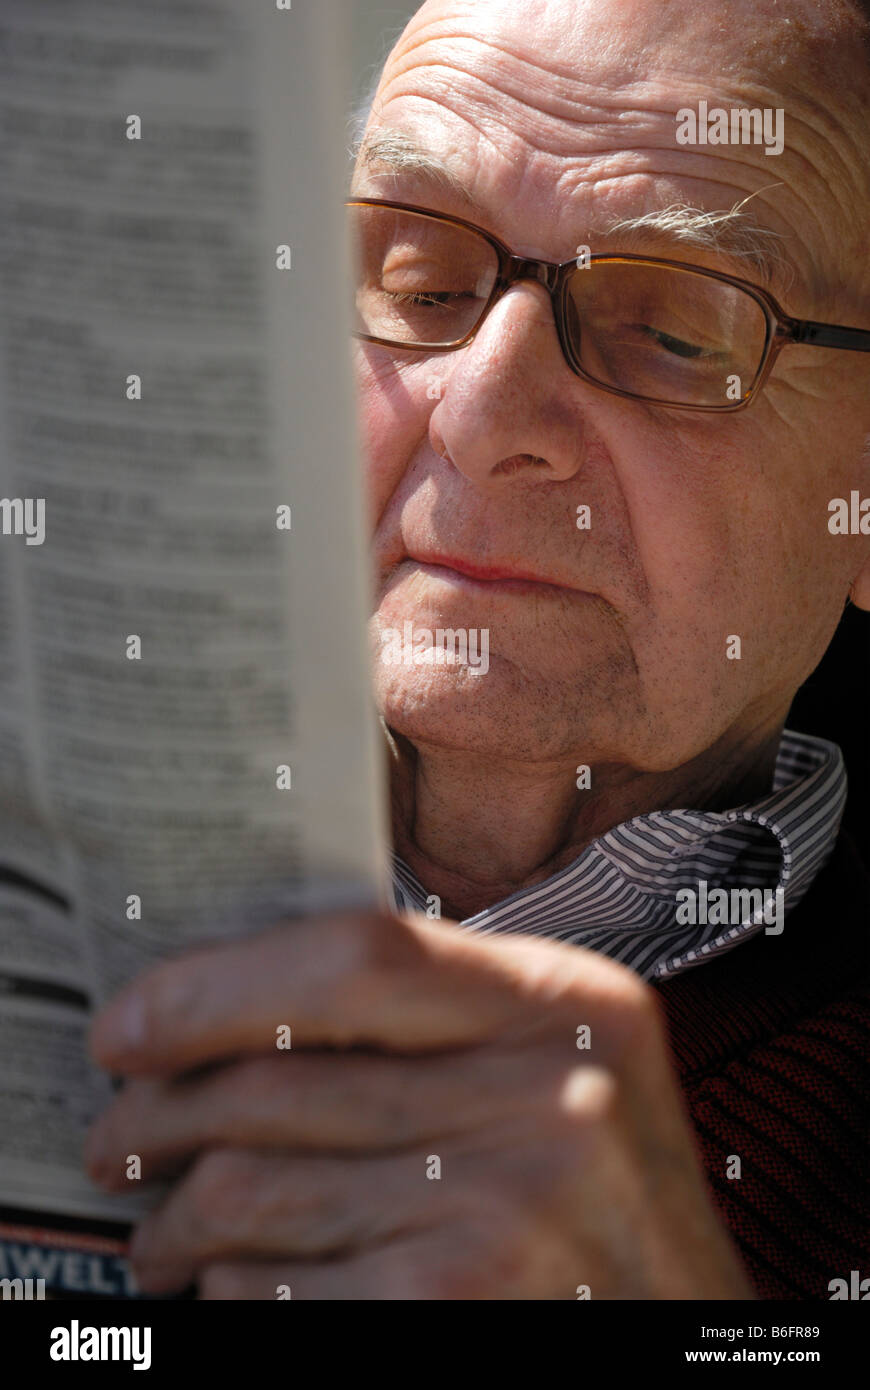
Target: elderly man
{"x": 613, "y": 383}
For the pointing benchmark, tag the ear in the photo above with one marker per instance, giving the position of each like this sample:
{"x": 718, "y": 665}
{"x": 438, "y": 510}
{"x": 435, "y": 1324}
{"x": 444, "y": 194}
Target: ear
{"x": 860, "y": 590}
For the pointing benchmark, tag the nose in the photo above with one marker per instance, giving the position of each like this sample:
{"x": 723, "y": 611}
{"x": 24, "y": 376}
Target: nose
{"x": 509, "y": 408}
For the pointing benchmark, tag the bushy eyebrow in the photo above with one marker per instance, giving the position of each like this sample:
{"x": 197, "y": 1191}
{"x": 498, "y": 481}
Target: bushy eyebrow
{"x": 396, "y": 153}
{"x": 729, "y": 233}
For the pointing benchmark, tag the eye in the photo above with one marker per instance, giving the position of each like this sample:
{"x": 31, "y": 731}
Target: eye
{"x": 675, "y": 345}
{"x": 437, "y": 299}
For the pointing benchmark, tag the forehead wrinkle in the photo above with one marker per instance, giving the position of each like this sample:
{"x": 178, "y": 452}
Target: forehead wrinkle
{"x": 587, "y": 110}
{"x": 634, "y": 101}
{"x": 794, "y": 51}
{"x": 512, "y": 148}
{"x": 554, "y": 120}
{"x": 484, "y": 61}
{"x": 481, "y": 59}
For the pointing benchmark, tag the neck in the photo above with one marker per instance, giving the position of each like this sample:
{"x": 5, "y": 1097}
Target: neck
{"x": 475, "y": 829}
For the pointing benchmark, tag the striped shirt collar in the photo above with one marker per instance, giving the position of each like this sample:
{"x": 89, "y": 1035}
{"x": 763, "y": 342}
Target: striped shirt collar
{"x": 620, "y": 897}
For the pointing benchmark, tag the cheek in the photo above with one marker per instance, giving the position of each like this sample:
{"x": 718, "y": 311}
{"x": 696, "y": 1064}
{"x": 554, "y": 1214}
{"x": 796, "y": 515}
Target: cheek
{"x": 741, "y": 552}
{"x": 704, "y": 501}
{"x": 392, "y": 420}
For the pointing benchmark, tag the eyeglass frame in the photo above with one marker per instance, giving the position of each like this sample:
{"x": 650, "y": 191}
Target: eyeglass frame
{"x": 781, "y": 328}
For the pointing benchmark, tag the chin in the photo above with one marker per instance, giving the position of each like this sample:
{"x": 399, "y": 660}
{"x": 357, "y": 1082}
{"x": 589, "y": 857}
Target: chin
{"x": 497, "y": 715}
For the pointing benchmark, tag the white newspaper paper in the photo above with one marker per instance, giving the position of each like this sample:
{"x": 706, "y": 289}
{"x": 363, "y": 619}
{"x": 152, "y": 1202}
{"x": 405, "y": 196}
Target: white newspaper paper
{"x": 142, "y": 802}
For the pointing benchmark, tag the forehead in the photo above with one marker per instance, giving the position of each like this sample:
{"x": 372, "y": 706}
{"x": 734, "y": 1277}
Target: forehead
{"x": 563, "y": 116}
{"x": 552, "y": 54}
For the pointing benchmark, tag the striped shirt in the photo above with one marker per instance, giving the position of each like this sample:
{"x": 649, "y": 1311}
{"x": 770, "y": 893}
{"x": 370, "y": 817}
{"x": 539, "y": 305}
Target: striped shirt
{"x": 630, "y": 893}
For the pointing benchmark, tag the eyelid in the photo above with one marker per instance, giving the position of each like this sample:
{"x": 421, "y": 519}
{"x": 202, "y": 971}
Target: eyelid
{"x": 408, "y": 262}
{"x": 481, "y": 290}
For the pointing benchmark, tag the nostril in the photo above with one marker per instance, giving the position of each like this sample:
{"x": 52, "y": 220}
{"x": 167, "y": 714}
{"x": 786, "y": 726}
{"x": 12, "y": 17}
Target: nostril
{"x": 517, "y": 462}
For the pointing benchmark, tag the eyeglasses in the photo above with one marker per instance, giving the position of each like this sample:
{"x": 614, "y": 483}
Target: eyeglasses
{"x": 637, "y": 326}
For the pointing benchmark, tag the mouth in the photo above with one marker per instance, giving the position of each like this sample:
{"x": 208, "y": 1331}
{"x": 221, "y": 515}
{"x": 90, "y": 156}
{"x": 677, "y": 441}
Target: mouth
{"x": 506, "y": 579}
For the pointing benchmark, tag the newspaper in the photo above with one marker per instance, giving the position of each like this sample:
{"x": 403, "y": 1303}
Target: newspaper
{"x": 187, "y": 744}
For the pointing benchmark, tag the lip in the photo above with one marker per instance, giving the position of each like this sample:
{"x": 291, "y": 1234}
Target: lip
{"x": 502, "y": 578}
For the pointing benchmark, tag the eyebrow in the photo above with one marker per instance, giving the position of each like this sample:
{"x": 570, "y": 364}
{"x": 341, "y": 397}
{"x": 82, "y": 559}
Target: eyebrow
{"x": 727, "y": 233}
{"x": 397, "y": 153}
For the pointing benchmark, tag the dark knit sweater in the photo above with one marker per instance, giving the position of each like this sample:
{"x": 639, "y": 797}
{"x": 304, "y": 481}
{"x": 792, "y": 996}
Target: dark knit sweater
{"x": 772, "y": 1042}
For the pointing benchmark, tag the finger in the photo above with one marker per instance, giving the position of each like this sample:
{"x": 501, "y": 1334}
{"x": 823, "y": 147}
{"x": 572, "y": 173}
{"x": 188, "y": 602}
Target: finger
{"x": 455, "y": 1262}
{"x": 237, "y": 1203}
{"x": 345, "y": 1102}
{"x": 410, "y": 986}
{"x": 400, "y": 1274}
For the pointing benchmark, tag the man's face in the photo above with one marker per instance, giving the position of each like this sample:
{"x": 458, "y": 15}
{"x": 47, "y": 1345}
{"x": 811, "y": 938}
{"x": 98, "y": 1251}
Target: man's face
{"x": 559, "y": 117}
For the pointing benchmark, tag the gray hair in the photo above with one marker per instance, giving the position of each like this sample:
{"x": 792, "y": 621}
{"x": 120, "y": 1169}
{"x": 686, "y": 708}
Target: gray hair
{"x": 728, "y": 231}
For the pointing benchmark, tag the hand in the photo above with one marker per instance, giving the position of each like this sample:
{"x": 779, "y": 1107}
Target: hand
{"x": 415, "y": 1048}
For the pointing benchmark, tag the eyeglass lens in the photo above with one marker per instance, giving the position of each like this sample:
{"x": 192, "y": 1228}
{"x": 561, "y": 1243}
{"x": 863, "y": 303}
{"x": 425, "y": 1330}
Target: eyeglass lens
{"x": 660, "y": 333}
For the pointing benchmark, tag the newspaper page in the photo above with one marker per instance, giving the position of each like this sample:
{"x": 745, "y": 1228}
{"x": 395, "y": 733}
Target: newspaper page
{"x": 187, "y": 743}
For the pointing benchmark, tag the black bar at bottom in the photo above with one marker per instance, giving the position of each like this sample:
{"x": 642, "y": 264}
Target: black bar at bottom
{"x": 259, "y": 1340}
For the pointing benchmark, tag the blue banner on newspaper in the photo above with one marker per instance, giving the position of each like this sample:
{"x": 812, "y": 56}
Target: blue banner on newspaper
{"x": 64, "y": 1262}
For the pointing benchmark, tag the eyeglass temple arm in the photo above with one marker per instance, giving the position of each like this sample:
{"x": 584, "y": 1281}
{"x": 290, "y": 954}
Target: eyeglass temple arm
{"x": 829, "y": 335}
